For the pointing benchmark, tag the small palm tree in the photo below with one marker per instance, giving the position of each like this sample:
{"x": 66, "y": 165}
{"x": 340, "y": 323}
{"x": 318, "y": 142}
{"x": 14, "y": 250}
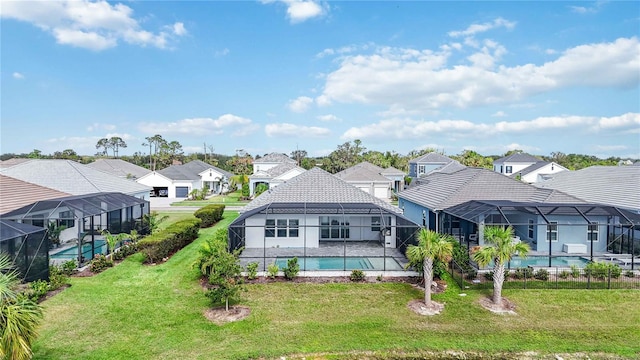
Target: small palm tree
{"x": 431, "y": 246}
{"x": 500, "y": 249}
{"x": 113, "y": 240}
{"x": 19, "y": 316}
{"x": 153, "y": 220}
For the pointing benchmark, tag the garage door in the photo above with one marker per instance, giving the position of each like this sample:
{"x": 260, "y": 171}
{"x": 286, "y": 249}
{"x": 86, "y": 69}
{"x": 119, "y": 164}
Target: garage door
{"x": 182, "y": 191}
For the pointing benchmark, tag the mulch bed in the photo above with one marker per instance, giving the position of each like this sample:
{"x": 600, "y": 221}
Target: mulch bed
{"x": 333, "y": 280}
{"x": 221, "y": 316}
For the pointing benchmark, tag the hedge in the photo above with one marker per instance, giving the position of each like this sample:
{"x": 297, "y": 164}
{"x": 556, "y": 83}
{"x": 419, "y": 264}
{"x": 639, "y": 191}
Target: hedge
{"x": 160, "y": 245}
{"x": 209, "y": 214}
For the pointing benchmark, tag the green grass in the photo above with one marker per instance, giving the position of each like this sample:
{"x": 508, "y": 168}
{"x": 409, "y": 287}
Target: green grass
{"x": 135, "y": 311}
{"x": 231, "y": 199}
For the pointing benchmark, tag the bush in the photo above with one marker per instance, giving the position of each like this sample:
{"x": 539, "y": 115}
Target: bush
{"x": 379, "y": 278}
{"x": 292, "y": 269}
{"x": 523, "y": 273}
{"x": 58, "y": 276}
{"x": 471, "y": 274}
{"x": 164, "y": 243}
{"x": 124, "y": 251}
{"x": 272, "y": 270}
{"x": 210, "y": 214}
{"x": 69, "y": 267}
{"x": 100, "y": 263}
{"x": 245, "y": 191}
{"x": 564, "y": 274}
{"x": 629, "y": 273}
{"x": 575, "y": 272}
{"x": 37, "y": 290}
{"x": 488, "y": 276}
{"x": 357, "y": 275}
{"x": 542, "y": 274}
{"x": 252, "y": 270}
{"x": 602, "y": 270}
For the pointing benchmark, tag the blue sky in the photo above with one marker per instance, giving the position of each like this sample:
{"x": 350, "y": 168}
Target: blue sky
{"x": 270, "y": 76}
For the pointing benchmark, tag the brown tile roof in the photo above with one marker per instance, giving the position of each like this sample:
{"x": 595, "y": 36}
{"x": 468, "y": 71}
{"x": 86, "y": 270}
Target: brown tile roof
{"x": 15, "y": 193}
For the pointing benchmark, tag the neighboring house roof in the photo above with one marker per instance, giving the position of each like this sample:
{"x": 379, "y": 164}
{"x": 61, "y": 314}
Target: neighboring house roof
{"x": 363, "y": 171}
{"x": 439, "y": 190}
{"x": 71, "y": 177}
{"x": 11, "y": 162}
{"x": 119, "y": 168}
{"x": 518, "y": 158}
{"x": 275, "y": 158}
{"x": 190, "y": 171}
{"x": 281, "y": 169}
{"x": 318, "y": 187}
{"x": 531, "y": 168}
{"x": 432, "y": 157}
{"x": 391, "y": 171}
{"x": 17, "y": 193}
{"x": 611, "y": 185}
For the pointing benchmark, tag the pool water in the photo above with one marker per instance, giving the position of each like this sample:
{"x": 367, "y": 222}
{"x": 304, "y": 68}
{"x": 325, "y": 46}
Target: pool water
{"x": 559, "y": 261}
{"x": 72, "y": 252}
{"x": 343, "y": 263}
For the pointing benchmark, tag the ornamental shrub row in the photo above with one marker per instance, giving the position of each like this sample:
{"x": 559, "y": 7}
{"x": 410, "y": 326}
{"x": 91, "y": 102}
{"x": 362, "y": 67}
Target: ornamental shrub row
{"x": 209, "y": 214}
{"x": 160, "y": 245}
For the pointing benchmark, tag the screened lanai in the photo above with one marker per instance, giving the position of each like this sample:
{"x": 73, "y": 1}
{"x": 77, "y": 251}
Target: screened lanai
{"x": 27, "y": 247}
{"x": 84, "y": 217}
{"x": 554, "y": 229}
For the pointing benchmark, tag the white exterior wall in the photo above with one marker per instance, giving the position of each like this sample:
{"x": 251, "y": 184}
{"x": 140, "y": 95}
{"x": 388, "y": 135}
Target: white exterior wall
{"x": 263, "y": 166}
{"x": 211, "y": 178}
{"x": 377, "y": 189}
{"x": 182, "y": 183}
{"x": 515, "y": 167}
{"x": 534, "y": 176}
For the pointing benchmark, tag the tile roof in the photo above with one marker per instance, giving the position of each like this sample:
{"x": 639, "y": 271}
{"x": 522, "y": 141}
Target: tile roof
{"x": 15, "y": 193}
{"x": 320, "y": 187}
{"x": 13, "y": 161}
{"x": 439, "y": 190}
{"x": 119, "y": 168}
{"x": 363, "y": 171}
{"x": 190, "y": 170}
{"x": 275, "y": 158}
{"x": 391, "y": 171}
{"x": 531, "y": 168}
{"x": 611, "y": 185}
{"x": 71, "y": 177}
{"x": 518, "y": 158}
{"x": 432, "y": 157}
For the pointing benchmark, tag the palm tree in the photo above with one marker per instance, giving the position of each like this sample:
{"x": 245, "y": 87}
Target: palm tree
{"x": 431, "y": 246}
{"x": 19, "y": 316}
{"x": 153, "y": 220}
{"x": 500, "y": 249}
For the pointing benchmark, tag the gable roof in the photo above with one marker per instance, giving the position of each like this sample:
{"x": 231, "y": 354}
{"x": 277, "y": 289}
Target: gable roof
{"x": 363, "y": 171}
{"x": 531, "y": 168}
{"x": 612, "y": 185}
{"x": 432, "y": 157}
{"x": 11, "y": 162}
{"x": 275, "y": 158}
{"x": 391, "y": 171}
{"x": 119, "y": 168}
{"x": 190, "y": 170}
{"x": 17, "y": 193}
{"x": 518, "y": 158}
{"x": 71, "y": 177}
{"x": 311, "y": 187}
{"x": 439, "y": 190}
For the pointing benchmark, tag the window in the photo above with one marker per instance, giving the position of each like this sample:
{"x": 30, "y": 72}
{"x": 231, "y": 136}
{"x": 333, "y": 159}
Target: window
{"x": 552, "y": 231}
{"x": 592, "y": 231}
{"x": 270, "y": 228}
{"x": 293, "y": 227}
{"x": 508, "y": 169}
{"x": 420, "y": 169}
{"x": 38, "y": 220}
{"x": 501, "y": 169}
{"x": 375, "y": 223}
{"x": 66, "y": 218}
{"x": 530, "y": 229}
{"x": 282, "y": 227}
{"x": 334, "y": 227}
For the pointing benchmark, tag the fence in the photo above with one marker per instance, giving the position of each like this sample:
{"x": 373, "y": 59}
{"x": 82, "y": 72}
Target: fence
{"x": 547, "y": 278}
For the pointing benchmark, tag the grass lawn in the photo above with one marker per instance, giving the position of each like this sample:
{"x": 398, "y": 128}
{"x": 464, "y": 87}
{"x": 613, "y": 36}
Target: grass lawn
{"x": 231, "y": 199}
{"x": 155, "y": 312}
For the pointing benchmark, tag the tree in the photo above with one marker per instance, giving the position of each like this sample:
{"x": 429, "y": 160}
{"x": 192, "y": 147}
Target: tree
{"x": 116, "y": 142}
{"x": 241, "y": 165}
{"x": 114, "y": 239}
{"x": 500, "y": 249}
{"x": 19, "y": 316}
{"x": 153, "y": 220}
{"x": 299, "y": 156}
{"x": 345, "y": 156}
{"x": 53, "y": 232}
{"x": 431, "y": 246}
{"x": 68, "y": 154}
{"x": 155, "y": 143}
{"x": 35, "y": 154}
{"x": 473, "y": 159}
{"x": 103, "y": 144}
{"x": 260, "y": 188}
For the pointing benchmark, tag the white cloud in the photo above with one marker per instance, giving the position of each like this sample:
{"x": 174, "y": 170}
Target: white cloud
{"x": 93, "y": 25}
{"x": 499, "y": 114}
{"x": 301, "y": 104}
{"x": 611, "y": 147}
{"x": 17, "y": 75}
{"x": 221, "y": 53}
{"x": 292, "y": 130}
{"x": 301, "y": 10}
{"x": 98, "y": 126}
{"x": 588, "y": 10}
{"x": 85, "y": 144}
{"x": 198, "y": 126}
{"x": 479, "y": 28}
{"x": 328, "y": 118}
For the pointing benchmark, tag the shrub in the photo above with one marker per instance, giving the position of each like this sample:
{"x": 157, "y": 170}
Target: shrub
{"x": 292, "y": 269}
{"x": 37, "y": 290}
{"x": 272, "y": 270}
{"x": 260, "y": 189}
{"x": 629, "y": 273}
{"x": 124, "y": 251}
{"x": 164, "y": 243}
{"x": 471, "y": 274}
{"x": 58, "y": 276}
{"x": 245, "y": 191}
{"x": 69, "y": 267}
{"x": 488, "y": 276}
{"x": 575, "y": 272}
{"x": 210, "y": 214}
{"x": 252, "y": 270}
{"x": 564, "y": 274}
{"x": 523, "y": 273}
{"x": 379, "y": 278}
{"x": 542, "y": 274}
{"x": 357, "y": 275}
{"x": 602, "y": 270}
{"x": 100, "y": 263}
{"x": 225, "y": 276}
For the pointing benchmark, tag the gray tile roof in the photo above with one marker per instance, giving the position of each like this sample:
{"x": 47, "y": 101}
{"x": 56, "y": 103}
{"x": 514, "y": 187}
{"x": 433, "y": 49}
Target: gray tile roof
{"x": 439, "y": 190}
{"x": 71, "y": 177}
{"x": 611, "y": 185}
{"x": 190, "y": 170}
{"x": 363, "y": 171}
{"x": 317, "y": 186}
{"x": 119, "y": 168}
{"x": 530, "y": 168}
{"x": 281, "y": 169}
{"x": 11, "y": 162}
{"x": 275, "y": 158}
{"x": 518, "y": 158}
{"x": 391, "y": 171}
{"x": 432, "y": 157}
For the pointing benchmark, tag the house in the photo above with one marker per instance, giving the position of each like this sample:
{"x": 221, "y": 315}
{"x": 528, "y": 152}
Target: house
{"x": 16, "y": 193}
{"x": 549, "y": 220}
{"x": 432, "y": 162}
{"x": 177, "y": 181}
{"x": 319, "y": 213}
{"x": 271, "y": 160}
{"x": 396, "y": 176}
{"x": 13, "y": 161}
{"x": 73, "y": 178}
{"x": 514, "y": 163}
{"x": 538, "y": 171}
{"x": 120, "y": 168}
{"x": 274, "y": 176}
{"x": 368, "y": 178}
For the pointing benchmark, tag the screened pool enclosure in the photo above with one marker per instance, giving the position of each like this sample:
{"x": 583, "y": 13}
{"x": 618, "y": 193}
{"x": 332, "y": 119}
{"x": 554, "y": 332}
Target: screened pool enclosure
{"x": 28, "y": 247}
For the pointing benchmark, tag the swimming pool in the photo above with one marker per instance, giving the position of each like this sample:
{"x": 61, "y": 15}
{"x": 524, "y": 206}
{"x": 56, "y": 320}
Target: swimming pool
{"x": 559, "y": 261}
{"x": 343, "y": 263}
{"x": 72, "y": 252}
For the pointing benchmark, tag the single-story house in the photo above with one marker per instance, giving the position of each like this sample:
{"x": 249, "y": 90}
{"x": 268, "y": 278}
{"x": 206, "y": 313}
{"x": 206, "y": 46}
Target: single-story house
{"x": 274, "y": 176}
{"x": 177, "y": 181}
{"x": 368, "y": 178}
{"x": 120, "y": 168}
{"x": 73, "y": 178}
